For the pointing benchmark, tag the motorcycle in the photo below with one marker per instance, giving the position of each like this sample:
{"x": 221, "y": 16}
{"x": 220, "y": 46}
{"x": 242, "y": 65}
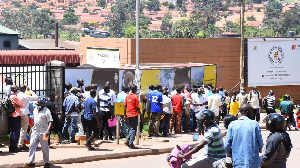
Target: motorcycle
{"x": 172, "y": 159}
{"x": 289, "y": 122}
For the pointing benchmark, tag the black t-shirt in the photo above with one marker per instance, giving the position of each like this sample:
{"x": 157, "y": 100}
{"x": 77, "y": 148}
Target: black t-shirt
{"x": 50, "y": 105}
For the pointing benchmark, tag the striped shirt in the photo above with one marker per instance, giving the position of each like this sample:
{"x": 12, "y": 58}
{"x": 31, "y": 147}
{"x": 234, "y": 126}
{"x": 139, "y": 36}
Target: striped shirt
{"x": 215, "y": 146}
{"x": 105, "y": 101}
{"x": 270, "y": 102}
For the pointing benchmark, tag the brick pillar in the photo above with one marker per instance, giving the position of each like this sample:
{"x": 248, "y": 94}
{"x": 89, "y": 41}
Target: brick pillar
{"x": 55, "y": 84}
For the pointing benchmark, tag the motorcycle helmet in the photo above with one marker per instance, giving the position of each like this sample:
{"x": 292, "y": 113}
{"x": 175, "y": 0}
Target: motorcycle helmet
{"x": 228, "y": 119}
{"x": 285, "y": 97}
{"x": 207, "y": 117}
{"x": 275, "y": 122}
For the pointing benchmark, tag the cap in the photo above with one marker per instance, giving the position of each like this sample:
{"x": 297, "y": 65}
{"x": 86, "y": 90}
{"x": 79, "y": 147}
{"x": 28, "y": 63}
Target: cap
{"x": 74, "y": 89}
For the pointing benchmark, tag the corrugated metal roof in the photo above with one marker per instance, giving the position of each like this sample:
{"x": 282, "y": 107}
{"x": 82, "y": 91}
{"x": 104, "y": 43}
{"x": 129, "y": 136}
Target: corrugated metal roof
{"x": 5, "y": 30}
{"x": 46, "y": 44}
{"x": 37, "y": 56}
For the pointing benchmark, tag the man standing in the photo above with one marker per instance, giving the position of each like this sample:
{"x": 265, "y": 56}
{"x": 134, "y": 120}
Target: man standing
{"x": 242, "y": 97}
{"x": 121, "y": 97}
{"x": 254, "y": 97}
{"x": 156, "y": 110}
{"x": 214, "y": 103}
{"x": 131, "y": 118}
{"x": 56, "y": 126}
{"x": 199, "y": 101}
{"x": 14, "y": 120}
{"x": 168, "y": 111}
{"x": 80, "y": 83}
{"x": 68, "y": 86}
{"x": 25, "y": 113}
{"x": 278, "y": 145}
{"x": 7, "y": 87}
{"x": 212, "y": 141}
{"x": 41, "y": 128}
{"x": 106, "y": 113}
{"x": 177, "y": 110}
{"x": 91, "y": 119}
{"x": 70, "y": 109}
{"x": 186, "y": 109}
{"x": 243, "y": 140}
{"x": 270, "y": 102}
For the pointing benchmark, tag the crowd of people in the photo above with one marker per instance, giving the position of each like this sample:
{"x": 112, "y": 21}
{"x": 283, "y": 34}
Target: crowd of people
{"x": 89, "y": 110}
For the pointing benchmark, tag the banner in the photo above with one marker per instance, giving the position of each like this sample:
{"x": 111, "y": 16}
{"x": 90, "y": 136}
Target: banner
{"x": 210, "y": 75}
{"x": 72, "y": 74}
{"x": 149, "y": 77}
{"x": 273, "y": 61}
{"x": 197, "y": 74}
{"x": 126, "y": 78}
{"x": 103, "y": 57}
{"x": 182, "y": 77}
{"x": 167, "y": 78}
{"x": 101, "y": 76}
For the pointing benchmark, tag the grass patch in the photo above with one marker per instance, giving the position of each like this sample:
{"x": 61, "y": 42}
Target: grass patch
{"x": 4, "y": 140}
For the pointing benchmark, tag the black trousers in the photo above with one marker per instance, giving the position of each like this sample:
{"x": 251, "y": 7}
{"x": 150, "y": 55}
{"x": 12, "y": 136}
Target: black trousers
{"x": 91, "y": 130}
{"x": 256, "y": 115}
{"x": 104, "y": 129}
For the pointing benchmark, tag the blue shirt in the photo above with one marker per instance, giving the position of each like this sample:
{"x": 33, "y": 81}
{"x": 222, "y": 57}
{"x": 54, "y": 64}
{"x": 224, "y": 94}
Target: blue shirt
{"x": 156, "y": 100}
{"x": 121, "y": 97}
{"x": 89, "y": 105}
{"x": 71, "y": 101}
{"x": 243, "y": 142}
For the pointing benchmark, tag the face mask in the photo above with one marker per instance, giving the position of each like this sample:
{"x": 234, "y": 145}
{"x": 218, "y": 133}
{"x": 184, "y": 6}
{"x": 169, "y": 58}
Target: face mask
{"x": 38, "y": 107}
{"x": 243, "y": 91}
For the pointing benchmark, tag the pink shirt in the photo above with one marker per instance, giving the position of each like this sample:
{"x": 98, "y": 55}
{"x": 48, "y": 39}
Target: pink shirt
{"x": 16, "y": 101}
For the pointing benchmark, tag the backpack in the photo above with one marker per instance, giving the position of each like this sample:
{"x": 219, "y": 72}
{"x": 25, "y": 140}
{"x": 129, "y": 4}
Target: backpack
{"x": 8, "y": 106}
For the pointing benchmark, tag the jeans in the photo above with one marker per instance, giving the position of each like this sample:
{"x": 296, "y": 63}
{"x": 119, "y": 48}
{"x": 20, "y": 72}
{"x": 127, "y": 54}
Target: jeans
{"x": 192, "y": 120}
{"x": 154, "y": 120}
{"x": 132, "y": 123}
{"x": 91, "y": 131}
{"x": 73, "y": 121}
{"x": 14, "y": 129}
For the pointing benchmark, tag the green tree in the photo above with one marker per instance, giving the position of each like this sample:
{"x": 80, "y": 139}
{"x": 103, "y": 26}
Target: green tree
{"x": 70, "y": 18}
{"x": 43, "y": 21}
{"x": 290, "y": 19}
{"x": 101, "y": 3}
{"x": 251, "y": 18}
{"x": 169, "y": 5}
{"x": 32, "y": 6}
{"x": 152, "y": 5}
{"x": 16, "y": 4}
{"x": 273, "y": 13}
{"x": 166, "y": 24}
{"x": 185, "y": 29}
{"x": 85, "y": 10}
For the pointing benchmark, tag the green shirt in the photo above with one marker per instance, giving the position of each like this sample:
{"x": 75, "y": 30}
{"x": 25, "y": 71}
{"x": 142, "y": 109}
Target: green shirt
{"x": 285, "y": 107}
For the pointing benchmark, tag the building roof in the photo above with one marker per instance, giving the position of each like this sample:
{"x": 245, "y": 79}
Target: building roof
{"x": 163, "y": 65}
{"x": 5, "y": 30}
{"x": 45, "y": 44}
{"x": 38, "y": 56}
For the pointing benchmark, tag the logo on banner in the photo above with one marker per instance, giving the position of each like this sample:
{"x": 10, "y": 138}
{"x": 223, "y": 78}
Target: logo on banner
{"x": 276, "y": 55}
{"x": 295, "y": 47}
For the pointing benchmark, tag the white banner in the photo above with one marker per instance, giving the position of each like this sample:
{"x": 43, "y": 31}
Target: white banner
{"x": 273, "y": 61}
{"x": 103, "y": 57}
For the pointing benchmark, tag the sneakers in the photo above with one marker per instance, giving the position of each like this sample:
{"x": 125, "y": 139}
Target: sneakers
{"x": 14, "y": 150}
{"x": 24, "y": 147}
{"x": 47, "y": 165}
{"x": 133, "y": 147}
{"x": 30, "y": 164}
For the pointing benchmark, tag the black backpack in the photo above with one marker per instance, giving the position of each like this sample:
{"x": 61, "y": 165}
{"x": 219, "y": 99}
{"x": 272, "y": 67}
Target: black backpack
{"x": 8, "y": 106}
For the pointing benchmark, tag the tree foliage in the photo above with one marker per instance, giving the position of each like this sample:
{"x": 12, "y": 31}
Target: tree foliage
{"x": 70, "y": 18}
{"x": 101, "y": 3}
{"x": 85, "y": 10}
{"x": 152, "y": 5}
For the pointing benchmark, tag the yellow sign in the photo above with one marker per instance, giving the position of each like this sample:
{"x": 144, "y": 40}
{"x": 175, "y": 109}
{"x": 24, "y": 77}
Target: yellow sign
{"x": 119, "y": 108}
{"x": 149, "y": 77}
{"x": 210, "y": 75}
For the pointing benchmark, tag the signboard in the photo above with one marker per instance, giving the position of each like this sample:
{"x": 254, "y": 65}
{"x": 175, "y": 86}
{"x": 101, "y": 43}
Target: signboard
{"x": 103, "y": 57}
{"x": 119, "y": 108}
{"x": 210, "y": 75}
{"x": 273, "y": 61}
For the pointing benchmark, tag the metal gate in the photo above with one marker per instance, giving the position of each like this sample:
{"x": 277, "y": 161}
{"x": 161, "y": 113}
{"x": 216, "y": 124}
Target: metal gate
{"x": 37, "y": 77}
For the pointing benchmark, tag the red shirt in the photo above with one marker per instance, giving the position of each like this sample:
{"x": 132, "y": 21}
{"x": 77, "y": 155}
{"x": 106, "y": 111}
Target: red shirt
{"x": 177, "y": 103}
{"x": 132, "y": 102}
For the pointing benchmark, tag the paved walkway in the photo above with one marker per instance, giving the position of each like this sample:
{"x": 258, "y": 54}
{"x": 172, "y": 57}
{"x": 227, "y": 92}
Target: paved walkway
{"x": 71, "y": 153}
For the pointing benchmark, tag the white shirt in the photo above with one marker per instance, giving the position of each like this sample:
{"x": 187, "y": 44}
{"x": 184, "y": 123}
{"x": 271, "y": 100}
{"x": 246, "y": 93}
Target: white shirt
{"x": 112, "y": 95}
{"x": 7, "y": 90}
{"x": 26, "y": 99}
{"x": 167, "y": 105}
{"x": 214, "y": 102}
{"x": 41, "y": 120}
{"x": 197, "y": 99}
{"x": 254, "y": 101}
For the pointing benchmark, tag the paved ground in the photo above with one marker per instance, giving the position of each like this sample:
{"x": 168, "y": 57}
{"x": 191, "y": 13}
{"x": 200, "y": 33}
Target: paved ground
{"x": 111, "y": 150}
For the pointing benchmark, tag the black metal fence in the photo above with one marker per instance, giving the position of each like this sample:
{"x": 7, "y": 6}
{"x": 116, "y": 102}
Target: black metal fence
{"x": 37, "y": 77}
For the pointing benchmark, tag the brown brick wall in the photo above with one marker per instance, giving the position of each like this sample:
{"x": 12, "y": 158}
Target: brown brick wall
{"x": 224, "y": 52}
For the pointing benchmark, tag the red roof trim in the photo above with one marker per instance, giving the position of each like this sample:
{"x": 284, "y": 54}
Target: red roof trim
{"x": 37, "y": 56}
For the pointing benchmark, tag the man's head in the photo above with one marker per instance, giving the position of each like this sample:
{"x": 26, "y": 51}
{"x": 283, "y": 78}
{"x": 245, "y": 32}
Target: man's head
{"x": 165, "y": 92}
{"x": 41, "y": 103}
{"x": 158, "y": 87}
{"x": 207, "y": 117}
{"x": 14, "y": 88}
{"x": 87, "y": 88}
{"x": 271, "y": 92}
{"x": 80, "y": 82}
{"x": 151, "y": 87}
{"x": 8, "y": 81}
{"x": 178, "y": 89}
{"x": 126, "y": 89}
{"x": 243, "y": 90}
{"x": 214, "y": 91}
{"x": 221, "y": 89}
{"x": 246, "y": 110}
{"x": 107, "y": 83}
{"x": 74, "y": 90}
{"x": 23, "y": 88}
{"x": 275, "y": 122}
{"x": 68, "y": 85}
{"x": 254, "y": 88}
{"x": 106, "y": 89}
{"x": 228, "y": 119}
{"x": 285, "y": 97}
{"x": 133, "y": 89}
{"x": 201, "y": 90}
{"x": 94, "y": 86}
{"x": 93, "y": 93}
